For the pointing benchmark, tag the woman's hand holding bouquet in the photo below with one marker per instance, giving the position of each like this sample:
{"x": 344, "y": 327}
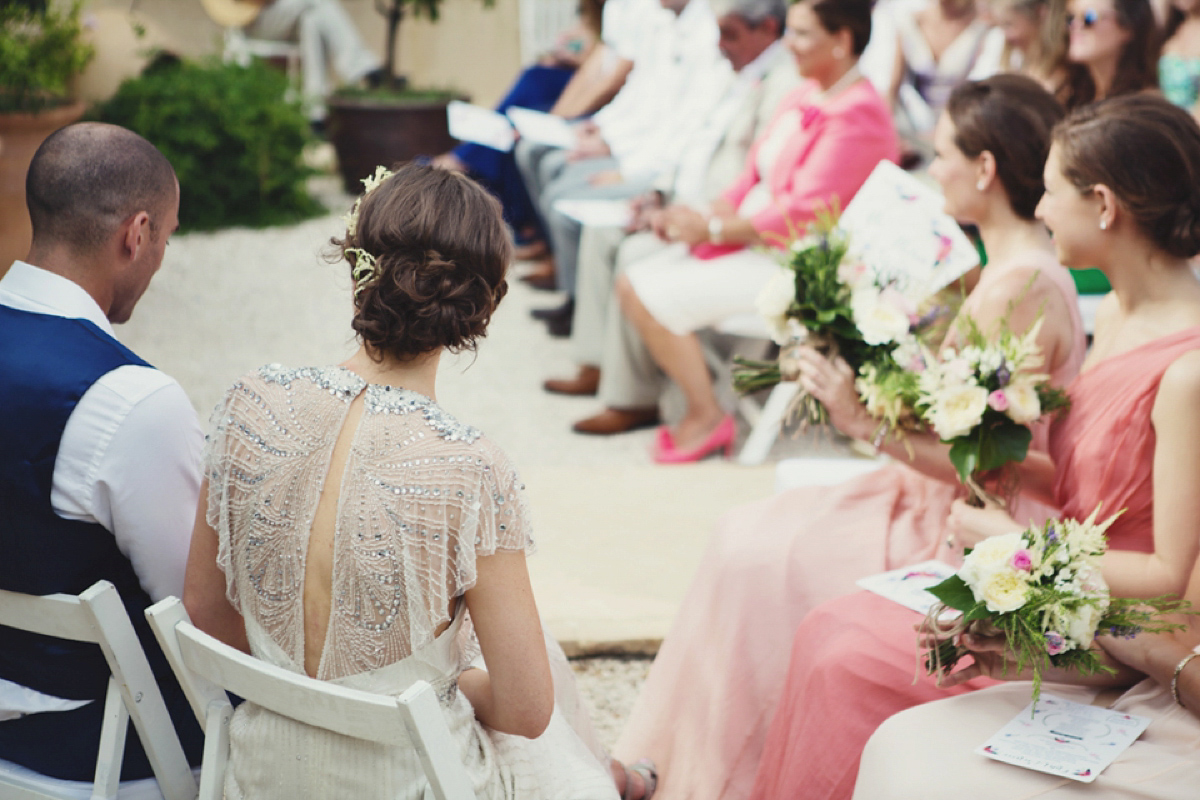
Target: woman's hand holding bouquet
{"x": 1035, "y": 599}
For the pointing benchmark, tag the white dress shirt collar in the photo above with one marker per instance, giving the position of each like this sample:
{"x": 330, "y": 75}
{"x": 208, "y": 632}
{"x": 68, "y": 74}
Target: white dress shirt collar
{"x": 31, "y": 288}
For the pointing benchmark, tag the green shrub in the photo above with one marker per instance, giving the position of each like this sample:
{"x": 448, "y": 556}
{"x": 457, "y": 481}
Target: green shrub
{"x": 234, "y": 141}
{"x": 40, "y": 51}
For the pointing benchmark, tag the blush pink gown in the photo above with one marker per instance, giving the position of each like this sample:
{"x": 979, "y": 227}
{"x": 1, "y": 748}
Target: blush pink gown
{"x": 854, "y": 658}
{"x": 703, "y": 712}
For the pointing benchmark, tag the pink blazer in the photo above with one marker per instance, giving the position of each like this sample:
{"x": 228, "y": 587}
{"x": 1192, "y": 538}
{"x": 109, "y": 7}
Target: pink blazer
{"x": 838, "y": 145}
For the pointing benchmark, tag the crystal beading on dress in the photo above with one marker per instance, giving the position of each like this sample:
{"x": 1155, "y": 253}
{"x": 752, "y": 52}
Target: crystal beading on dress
{"x": 397, "y": 564}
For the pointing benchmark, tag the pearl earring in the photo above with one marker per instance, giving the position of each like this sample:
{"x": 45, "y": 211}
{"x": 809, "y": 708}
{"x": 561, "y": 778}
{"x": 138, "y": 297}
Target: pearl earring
{"x": 1103, "y": 225}
{"x": 980, "y": 186}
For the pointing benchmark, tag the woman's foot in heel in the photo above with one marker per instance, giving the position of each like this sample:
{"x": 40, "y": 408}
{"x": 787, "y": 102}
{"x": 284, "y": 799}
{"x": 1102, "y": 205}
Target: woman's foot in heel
{"x": 691, "y": 442}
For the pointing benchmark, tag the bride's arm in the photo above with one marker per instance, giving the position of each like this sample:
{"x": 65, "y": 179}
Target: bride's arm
{"x": 516, "y": 693}
{"x": 1176, "y": 501}
{"x": 204, "y": 585}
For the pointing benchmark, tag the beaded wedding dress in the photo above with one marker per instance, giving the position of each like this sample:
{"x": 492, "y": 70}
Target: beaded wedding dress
{"x": 422, "y": 497}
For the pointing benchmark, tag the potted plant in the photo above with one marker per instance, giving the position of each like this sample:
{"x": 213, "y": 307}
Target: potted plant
{"x": 42, "y": 50}
{"x": 390, "y": 122}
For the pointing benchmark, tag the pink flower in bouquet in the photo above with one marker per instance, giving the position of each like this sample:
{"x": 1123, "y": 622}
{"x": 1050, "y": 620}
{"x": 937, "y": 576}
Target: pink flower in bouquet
{"x": 998, "y": 400}
{"x": 1055, "y": 643}
{"x": 1022, "y": 560}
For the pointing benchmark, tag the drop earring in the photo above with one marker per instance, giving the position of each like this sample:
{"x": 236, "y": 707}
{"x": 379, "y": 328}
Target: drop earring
{"x": 980, "y": 185}
{"x": 1103, "y": 225}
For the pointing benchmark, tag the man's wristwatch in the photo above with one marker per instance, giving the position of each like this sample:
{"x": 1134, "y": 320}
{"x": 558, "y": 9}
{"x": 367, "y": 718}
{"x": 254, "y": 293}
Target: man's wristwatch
{"x": 716, "y": 230}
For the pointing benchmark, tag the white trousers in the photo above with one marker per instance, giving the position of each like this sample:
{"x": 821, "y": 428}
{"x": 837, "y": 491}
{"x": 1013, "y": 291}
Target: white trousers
{"x": 327, "y": 37}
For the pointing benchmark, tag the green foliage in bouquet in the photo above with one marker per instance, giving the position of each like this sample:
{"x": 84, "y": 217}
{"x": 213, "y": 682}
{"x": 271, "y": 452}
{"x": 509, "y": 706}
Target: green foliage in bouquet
{"x": 234, "y": 141}
{"x": 982, "y": 399}
{"x": 40, "y": 52}
{"x": 820, "y": 304}
{"x": 1042, "y": 590}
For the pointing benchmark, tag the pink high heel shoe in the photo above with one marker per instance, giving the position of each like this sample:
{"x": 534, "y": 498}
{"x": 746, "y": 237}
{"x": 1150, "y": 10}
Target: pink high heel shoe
{"x": 721, "y": 438}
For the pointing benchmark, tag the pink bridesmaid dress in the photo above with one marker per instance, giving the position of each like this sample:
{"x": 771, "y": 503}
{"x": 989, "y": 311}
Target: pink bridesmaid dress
{"x": 703, "y": 712}
{"x": 854, "y": 658}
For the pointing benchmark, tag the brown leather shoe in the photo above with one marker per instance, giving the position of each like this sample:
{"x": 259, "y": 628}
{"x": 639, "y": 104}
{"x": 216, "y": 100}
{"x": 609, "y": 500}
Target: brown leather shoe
{"x": 530, "y": 252}
{"x": 585, "y": 384}
{"x": 617, "y": 420}
{"x": 542, "y": 276}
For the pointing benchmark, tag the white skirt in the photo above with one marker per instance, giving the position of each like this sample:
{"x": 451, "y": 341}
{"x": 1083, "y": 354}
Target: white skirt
{"x": 685, "y": 293}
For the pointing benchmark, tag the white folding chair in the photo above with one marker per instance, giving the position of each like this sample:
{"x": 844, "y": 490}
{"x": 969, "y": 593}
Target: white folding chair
{"x": 240, "y": 49}
{"x": 98, "y": 616}
{"x": 207, "y": 668}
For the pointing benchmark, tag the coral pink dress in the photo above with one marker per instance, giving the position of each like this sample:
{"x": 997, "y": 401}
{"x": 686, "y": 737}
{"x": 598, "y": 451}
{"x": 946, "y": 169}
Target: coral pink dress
{"x": 854, "y": 658}
{"x": 703, "y": 712}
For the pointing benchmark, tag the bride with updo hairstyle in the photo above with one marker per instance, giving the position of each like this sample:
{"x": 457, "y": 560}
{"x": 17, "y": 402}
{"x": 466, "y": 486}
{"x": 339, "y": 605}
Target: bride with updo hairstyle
{"x": 423, "y": 284}
{"x": 352, "y": 530}
{"x": 1122, "y": 192}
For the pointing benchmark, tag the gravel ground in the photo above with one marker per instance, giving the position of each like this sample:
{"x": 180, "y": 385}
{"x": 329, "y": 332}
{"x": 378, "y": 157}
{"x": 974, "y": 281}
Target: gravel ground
{"x": 610, "y": 685}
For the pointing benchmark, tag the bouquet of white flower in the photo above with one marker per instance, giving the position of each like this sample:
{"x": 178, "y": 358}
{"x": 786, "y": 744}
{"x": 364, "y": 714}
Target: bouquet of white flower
{"x": 982, "y": 398}
{"x": 825, "y": 298}
{"x": 1043, "y": 590}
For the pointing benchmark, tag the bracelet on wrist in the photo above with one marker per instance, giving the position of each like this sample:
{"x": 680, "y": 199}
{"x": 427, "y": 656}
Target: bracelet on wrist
{"x": 1183, "y": 662}
{"x": 716, "y": 230}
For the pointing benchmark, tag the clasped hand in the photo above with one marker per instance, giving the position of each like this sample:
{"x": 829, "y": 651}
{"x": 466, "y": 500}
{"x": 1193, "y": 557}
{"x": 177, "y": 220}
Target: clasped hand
{"x": 969, "y": 525}
{"x": 679, "y": 223}
{"x": 831, "y": 382}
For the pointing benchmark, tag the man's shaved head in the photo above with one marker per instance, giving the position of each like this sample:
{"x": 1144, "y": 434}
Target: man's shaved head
{"x": 86, "y": 179}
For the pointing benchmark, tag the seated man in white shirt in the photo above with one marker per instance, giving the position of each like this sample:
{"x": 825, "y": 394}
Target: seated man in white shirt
{"x": 629, "y": 141}
{"x": 710, "y": 157}
{"x": 327, "y": 36}
{"x": 100, "y": 461}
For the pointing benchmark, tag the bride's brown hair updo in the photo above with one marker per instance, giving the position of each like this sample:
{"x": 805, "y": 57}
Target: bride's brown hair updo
{"x": 441, "y": 251}
{"x": 1148, "y": 152}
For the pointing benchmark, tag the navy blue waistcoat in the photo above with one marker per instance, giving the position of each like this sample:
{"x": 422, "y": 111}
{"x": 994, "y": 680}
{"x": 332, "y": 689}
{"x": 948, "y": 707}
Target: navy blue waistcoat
{"x": 47, "y": 363}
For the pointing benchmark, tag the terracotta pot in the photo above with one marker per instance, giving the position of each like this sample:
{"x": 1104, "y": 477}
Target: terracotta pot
{"x": 20, "y": 137}
{"x": 367, "y": 133}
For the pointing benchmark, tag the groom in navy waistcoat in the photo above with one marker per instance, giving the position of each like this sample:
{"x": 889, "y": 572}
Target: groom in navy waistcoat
{"x": 99, "y": 452}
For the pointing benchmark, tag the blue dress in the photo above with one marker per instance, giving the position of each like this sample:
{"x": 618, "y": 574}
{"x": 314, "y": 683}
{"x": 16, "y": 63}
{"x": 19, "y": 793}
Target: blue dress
{"x": 537, "y": 88}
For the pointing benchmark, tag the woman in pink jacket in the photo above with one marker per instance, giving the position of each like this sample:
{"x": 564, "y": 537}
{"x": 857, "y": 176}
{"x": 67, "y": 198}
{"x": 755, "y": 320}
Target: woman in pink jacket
{"x": 823, "y": 142}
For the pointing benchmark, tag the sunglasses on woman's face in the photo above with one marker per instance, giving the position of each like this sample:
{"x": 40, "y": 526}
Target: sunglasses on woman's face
{"x": 1087, "y": 19}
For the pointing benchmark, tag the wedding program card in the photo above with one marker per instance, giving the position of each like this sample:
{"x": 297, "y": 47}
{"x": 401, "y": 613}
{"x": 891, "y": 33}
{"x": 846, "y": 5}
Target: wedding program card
{"x": 907, "y": 585}
{"x": 542, "y": 128}
{"x": 898, "y": 229}
{"x": 471, "y": 123}
{"x": 1062, "y": 738}
{"x": 599, "y": 213}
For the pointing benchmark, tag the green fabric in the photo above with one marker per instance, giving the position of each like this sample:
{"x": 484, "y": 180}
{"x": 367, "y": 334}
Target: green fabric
{"x": 1090, "y": 281}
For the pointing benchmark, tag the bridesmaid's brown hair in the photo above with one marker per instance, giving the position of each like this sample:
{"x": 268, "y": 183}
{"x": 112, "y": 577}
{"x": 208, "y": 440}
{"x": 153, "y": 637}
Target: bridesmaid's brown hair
{"x": 1011, "y": 117}
{"x": 1147, "y": 151}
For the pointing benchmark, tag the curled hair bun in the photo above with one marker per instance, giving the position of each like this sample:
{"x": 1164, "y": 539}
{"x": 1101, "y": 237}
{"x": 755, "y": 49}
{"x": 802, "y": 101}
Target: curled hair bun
{"x": 440, "y": 251}
{"x": 1185, "y": 235}
{"x": 1160, "y": 187}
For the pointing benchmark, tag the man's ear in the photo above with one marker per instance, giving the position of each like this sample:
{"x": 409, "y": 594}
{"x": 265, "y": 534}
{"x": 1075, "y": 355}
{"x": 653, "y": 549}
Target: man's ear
{"x": 135, "y": 235}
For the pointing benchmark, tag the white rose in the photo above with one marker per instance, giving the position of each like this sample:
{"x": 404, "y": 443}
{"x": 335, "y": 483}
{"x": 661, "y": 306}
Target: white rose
{"x": 992, "y": 555}
{"x": 1023, "y": 404}
{"x": 1003, "y": 591}
{"x": 774, "y": 300}
{"x": 958, "y": 409}
{"x": 879, "y": 322}
{"x": 1080, "y": 624}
